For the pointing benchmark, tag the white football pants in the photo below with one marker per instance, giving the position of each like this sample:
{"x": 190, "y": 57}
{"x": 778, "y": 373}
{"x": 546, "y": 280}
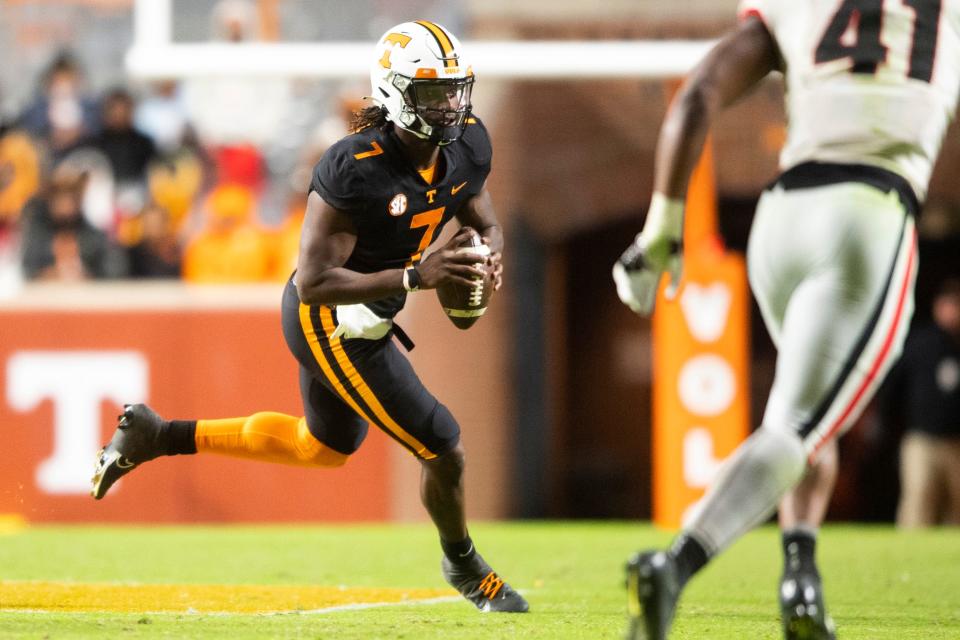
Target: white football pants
{"x": 832, "y": 269}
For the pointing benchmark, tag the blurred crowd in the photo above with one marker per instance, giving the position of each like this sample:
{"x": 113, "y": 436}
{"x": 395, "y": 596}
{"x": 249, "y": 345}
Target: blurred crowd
{"x": 122, "y": 185}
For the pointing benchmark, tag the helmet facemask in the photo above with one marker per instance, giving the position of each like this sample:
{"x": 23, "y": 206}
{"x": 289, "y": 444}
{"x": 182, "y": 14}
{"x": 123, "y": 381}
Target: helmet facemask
{"x": 434, "y": 109}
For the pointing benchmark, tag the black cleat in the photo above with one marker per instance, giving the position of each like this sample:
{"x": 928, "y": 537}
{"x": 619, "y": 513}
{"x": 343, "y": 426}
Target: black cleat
{"x": 479, "y": 583}
{"x": 141, "y": 435}
{"x": 802, "y": 610}
{"x": 653, "y": 589}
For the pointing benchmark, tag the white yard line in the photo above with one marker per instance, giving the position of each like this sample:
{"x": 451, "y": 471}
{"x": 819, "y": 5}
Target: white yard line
{"x": 368, "y": 605}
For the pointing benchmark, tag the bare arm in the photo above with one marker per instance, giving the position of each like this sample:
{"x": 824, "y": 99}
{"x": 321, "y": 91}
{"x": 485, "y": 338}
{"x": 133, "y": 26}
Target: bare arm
{"x": 327, "y": 240}
{"x": 478, "y": 213}
{"x": 733, "y": 67}
{"x": 730, "y": 70}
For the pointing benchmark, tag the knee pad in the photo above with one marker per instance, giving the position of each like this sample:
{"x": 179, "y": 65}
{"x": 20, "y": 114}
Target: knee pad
{"x": 443, "y": 429}
{"x": 311, "y": 451}
{"x": 327, "y": 457}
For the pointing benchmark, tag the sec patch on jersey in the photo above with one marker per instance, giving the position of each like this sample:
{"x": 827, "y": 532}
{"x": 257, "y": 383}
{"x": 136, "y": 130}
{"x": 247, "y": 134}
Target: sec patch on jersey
{"x": 465, "y": 305}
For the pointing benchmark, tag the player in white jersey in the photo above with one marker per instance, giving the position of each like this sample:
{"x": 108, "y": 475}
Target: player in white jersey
{"x": 871, "y": 86}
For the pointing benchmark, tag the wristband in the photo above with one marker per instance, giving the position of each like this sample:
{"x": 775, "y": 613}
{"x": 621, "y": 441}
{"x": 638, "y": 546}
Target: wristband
{"x": 411, "y": 279}
{"x": 664, "y": 217}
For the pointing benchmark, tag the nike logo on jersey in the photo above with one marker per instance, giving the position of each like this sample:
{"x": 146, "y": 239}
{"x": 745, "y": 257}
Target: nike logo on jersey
{"x": 123, "y": 463}
{"x": 453, "y": 190}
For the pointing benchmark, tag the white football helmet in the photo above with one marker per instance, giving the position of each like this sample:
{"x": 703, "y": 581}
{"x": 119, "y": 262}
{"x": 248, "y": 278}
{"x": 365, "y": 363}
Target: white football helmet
{"x": 421, "y": 79}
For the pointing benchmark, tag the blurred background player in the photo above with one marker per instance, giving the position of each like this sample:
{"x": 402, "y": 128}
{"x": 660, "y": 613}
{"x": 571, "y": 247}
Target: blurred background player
{"x": 832, "y": 255}
{"x": 923, "y": 395}
{"x": 378, "y": 199}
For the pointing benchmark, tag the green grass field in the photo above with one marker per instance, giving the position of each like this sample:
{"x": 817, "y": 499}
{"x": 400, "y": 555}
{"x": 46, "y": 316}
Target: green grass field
{"x": 880, "y": 583}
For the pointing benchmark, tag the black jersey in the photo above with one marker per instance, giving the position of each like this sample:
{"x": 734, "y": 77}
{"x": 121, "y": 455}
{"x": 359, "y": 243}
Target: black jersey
{"x": 397, "y": 215}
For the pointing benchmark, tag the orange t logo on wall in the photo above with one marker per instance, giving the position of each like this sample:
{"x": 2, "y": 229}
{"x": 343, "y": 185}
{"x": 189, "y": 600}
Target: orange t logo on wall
{"x": 701, "y": 410}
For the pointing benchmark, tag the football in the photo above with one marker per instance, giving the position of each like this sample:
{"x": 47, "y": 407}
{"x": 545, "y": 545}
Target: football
{"x": 464, "y": 305}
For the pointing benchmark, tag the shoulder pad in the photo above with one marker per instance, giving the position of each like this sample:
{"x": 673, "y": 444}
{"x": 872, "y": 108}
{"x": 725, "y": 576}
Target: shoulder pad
{"x": 477, "y": 142}
{"x": 336, "y": 178}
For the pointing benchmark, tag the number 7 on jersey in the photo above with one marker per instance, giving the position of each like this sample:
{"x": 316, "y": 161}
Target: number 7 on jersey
{"x": 429, "y": 219}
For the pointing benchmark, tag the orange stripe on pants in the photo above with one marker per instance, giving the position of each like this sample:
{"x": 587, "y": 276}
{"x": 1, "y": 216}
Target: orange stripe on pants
{"x": 358, "y": 383}
{"x": 314, "y": 341}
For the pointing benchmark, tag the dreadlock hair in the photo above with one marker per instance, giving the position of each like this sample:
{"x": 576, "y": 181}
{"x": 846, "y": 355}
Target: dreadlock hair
{"x": 369, "y": 117}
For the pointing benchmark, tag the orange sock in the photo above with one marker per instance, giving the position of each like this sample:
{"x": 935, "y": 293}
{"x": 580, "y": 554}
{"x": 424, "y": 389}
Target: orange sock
{"x": 266, "y": 436}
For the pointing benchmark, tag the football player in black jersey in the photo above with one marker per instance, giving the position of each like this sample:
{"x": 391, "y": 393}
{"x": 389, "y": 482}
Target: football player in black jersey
{"x": 378, "y": 199}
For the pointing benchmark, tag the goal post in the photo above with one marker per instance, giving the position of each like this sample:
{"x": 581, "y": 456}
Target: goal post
{"x": 154, "y": 55}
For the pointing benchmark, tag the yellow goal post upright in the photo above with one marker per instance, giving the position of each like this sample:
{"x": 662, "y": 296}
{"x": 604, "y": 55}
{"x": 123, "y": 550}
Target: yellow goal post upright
{"x": 708, "y": 361}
